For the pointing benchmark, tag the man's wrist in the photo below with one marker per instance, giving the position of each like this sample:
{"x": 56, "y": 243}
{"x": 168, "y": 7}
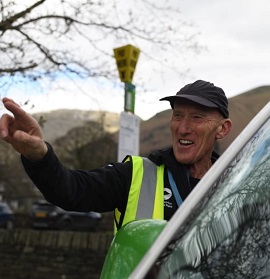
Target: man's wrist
{"x": 39, "y": 154}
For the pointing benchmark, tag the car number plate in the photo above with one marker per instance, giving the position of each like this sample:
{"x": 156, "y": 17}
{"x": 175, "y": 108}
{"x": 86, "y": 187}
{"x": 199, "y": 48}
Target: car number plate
{"x": 41, "y": 214}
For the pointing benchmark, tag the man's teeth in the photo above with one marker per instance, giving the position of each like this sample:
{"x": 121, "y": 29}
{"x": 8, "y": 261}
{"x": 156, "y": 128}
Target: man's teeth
{"x": 185, "y": 142}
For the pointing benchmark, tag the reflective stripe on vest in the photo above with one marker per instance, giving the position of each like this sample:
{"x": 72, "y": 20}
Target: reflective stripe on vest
{"x": 146, "y": 195}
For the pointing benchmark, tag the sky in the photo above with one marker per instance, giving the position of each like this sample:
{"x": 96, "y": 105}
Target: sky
{"x": 235, "y": 34}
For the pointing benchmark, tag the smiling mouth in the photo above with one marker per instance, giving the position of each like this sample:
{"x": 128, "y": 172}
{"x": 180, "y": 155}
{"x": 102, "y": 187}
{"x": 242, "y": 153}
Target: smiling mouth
{"x": 185, "y": 142}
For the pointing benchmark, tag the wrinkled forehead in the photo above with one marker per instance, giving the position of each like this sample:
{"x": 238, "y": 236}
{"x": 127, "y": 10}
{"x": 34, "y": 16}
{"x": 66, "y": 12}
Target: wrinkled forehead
{"x": 187, "y": 104}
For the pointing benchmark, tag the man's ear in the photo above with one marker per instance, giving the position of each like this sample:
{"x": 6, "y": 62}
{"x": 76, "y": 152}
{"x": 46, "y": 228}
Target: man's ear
{"x": 224, "y": 128}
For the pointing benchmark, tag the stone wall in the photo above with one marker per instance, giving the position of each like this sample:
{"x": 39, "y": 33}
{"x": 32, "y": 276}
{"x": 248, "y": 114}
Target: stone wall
{"x": 30, "y": 254}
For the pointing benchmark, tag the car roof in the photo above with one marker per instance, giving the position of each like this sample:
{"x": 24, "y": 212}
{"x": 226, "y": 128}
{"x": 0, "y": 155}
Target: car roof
{"x": 3, "y": 204}
{"x": 196, "y": 196}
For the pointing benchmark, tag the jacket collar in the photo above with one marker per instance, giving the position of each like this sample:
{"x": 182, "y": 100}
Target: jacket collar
{"x": 166, "y": 157}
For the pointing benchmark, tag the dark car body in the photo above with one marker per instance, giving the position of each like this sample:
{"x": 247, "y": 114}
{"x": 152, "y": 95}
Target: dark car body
{"x": 48, "y": 216}
{"x": 222, "y": 229}
{"x": 6, "y": 216}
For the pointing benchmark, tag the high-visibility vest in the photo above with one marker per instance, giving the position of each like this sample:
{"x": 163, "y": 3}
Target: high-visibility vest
{"x": 146, "y": 194}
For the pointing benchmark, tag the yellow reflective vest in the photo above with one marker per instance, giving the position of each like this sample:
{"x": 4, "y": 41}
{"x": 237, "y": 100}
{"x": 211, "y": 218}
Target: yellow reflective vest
{"x": 146, "y": 194}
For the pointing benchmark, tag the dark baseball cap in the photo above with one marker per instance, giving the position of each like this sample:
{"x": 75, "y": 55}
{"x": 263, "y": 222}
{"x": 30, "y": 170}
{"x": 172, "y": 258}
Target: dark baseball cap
{"x": 203, "y": 93}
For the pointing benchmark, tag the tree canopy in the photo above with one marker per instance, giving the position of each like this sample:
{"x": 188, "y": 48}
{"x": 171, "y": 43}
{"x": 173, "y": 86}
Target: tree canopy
{"x": 48, "y": 38}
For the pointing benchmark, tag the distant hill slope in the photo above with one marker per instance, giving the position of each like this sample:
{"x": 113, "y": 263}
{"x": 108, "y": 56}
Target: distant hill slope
{"x": 154, "y": 132}
{"x": 60, "y": 122}
{"x": 243, "y": 108}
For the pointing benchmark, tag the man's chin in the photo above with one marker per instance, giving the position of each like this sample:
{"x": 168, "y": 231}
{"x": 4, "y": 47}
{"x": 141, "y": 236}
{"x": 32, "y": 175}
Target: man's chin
{"x": 185, "y": 160}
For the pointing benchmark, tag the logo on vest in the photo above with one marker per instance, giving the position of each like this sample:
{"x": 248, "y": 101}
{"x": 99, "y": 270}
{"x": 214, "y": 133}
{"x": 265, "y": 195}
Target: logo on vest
{"x": 167, "y": 194}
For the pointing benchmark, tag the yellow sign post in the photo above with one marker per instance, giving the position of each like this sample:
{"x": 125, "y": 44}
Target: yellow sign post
{"x": 126, "y": 60}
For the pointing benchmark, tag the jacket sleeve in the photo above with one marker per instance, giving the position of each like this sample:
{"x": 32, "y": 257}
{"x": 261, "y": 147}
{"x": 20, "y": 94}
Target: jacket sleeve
{"x": 100, "y": 190}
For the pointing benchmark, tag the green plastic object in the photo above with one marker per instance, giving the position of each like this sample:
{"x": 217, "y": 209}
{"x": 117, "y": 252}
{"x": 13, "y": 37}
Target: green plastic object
{"x": 129, "y": 246}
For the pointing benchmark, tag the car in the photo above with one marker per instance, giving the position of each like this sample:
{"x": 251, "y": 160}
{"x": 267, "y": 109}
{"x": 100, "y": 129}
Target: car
{"x": 6, "y": 216}
{"x": 220, "y": 231}
{"x": 45, "y": 215}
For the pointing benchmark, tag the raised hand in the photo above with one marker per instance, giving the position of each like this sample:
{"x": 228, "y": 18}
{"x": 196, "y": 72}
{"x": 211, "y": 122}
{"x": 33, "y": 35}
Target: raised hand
{"x": 22, "y": 131}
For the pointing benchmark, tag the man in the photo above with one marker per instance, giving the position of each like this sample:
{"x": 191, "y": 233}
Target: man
{"x": 139, "y": 187}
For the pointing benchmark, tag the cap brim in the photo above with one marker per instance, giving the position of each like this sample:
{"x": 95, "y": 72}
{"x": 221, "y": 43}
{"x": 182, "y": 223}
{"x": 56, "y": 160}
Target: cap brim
{"x": 192, "y": 98}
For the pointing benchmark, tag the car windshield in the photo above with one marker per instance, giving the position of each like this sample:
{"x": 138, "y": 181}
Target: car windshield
{"x": 227, "y": 233}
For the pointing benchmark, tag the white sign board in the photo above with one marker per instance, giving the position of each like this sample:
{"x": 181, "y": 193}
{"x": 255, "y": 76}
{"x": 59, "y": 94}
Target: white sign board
{"x": 129, "y": 135}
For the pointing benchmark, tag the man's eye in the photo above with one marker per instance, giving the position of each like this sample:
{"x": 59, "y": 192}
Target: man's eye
{"x": 197, "y": 118}
{"x": 177, "y": 115}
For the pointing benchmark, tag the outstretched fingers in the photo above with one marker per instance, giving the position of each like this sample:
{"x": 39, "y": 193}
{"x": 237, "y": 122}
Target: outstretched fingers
{"x": 6, "y": 122}
{"x": 14, "y": 108}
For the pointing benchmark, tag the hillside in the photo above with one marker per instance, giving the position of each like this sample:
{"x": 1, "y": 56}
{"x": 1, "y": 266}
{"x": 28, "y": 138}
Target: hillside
{"x": 154, "y": 132}
{"x": 243, "y": 108}
{"x": 60, "y": 122}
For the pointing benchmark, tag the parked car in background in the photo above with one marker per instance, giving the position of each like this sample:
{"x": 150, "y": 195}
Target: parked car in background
{"x": 6, "y": 216}
{"x": 48, "y": 216}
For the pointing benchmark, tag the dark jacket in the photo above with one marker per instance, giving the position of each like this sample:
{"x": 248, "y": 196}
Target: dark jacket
{"x": 102, "y": 189}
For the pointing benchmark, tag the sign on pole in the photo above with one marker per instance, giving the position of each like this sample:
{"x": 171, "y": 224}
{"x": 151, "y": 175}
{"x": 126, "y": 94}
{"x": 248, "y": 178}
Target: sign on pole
{"x": 128, "y": 142}
{"x": 129, "y": 97}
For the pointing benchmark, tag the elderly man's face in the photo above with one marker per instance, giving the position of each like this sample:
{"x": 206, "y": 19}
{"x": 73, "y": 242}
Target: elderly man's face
{"x": 195, "y": 129}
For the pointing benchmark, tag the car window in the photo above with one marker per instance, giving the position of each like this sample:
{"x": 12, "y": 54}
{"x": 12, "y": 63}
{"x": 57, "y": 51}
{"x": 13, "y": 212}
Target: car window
{"x": 4, "y": 208}
{"x": 225, "y": 234}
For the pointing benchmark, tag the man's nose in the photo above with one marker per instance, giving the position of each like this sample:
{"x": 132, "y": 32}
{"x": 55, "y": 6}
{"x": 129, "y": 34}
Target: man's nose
{"x": 184, "y": 125}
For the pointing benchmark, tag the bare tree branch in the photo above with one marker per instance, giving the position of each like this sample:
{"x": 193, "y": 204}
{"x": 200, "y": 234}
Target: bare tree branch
{"x": 46, "y": 37}
{"x": 7, "y": 24}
